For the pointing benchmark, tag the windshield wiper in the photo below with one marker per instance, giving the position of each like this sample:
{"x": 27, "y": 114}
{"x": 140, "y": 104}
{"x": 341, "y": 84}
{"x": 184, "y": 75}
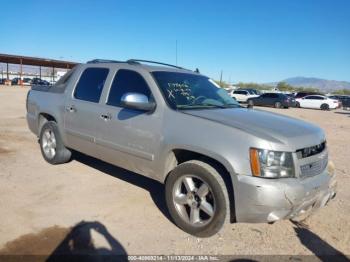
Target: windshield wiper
{"x": 209, "y": 105}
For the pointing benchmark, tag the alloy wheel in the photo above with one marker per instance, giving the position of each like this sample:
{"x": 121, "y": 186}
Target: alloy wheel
{"x": 49, "y": 143}
{"x": 194, "y": 200}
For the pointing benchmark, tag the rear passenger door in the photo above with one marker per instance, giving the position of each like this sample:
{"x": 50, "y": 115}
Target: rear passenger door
{"x": 310, "y": 102}
{"x": 82, "y": 110}
{"x": 265, "y": 99}
{"x": 274, "y": 98}
{"x": 127, "y": 137}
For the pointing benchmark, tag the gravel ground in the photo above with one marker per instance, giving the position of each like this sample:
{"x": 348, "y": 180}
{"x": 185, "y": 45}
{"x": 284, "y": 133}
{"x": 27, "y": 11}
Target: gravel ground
{"x": 43, "y": 208}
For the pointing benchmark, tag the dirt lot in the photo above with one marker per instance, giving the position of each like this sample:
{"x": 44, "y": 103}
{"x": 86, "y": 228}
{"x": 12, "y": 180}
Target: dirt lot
{"x": 44, "y": 208}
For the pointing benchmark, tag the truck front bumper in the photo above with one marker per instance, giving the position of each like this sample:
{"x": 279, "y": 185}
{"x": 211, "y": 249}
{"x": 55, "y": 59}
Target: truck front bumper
{"x": 259, "y": 200}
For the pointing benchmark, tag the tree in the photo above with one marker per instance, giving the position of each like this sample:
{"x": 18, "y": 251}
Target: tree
{"x": 254, "y": 86}
{"x": 342, "y": 92}
{"x": 283, "y": 86}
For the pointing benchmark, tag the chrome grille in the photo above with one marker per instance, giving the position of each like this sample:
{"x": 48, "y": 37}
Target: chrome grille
{"x": 314, "y": 168}
{"x": 310, "y": 151}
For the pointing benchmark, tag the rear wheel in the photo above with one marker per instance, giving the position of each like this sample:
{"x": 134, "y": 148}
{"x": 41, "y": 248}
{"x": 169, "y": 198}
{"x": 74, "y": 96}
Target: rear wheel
{"x": 250, "y": 103}
{"x": 278, "y": 105}
{"x": 51, "y": 144}
{"x": 197, "y": 198}
{"x": 325, "y": 107}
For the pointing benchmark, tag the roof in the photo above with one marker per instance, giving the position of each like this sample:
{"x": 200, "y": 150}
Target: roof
{"x": 36, "y": 61}
{"x": 150, "y": 66}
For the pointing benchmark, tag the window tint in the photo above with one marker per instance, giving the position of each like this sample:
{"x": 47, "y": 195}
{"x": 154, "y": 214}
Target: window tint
{"x": 90, "y": 85}
{"x": 127, "y": 81}
{"x": 274, "y": 95}
{"x": 241, "y": 92}
{"x": 314, "y": 97}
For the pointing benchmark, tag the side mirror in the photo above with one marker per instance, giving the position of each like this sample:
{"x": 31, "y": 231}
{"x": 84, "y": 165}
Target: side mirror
{"x": 137, "y": 101}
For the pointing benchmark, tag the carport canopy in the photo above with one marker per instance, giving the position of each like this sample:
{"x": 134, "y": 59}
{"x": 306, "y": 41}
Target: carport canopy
{"x": 36, "y": 61}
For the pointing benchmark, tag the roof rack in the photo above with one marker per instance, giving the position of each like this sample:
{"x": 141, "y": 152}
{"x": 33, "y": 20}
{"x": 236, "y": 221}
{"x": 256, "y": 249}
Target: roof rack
{"x": 96, "y": 61}
{"x": 137, "y": 61}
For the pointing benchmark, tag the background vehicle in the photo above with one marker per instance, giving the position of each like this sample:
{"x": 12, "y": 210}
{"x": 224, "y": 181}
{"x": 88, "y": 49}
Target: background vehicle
{"x": 39, "y": 81}
{"x": 346, "y": 103}
{"x": 242, "y": 95}
{"x": 343, "y": 99}
{"x": 15, "y": 81}
{"x": 317, "y": 102}
{"x": 272, "y": 99}
{"x": 27, "y": 81}
{"x": 302, "y": 94}
{"x": 218, "y": 160}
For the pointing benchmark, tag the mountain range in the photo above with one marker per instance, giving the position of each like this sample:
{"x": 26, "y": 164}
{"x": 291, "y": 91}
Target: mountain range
{"x": 319, "y": 83}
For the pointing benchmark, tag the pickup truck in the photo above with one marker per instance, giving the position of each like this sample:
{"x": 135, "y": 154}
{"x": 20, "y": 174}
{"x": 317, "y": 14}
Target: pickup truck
{"x": 219, "y": 162}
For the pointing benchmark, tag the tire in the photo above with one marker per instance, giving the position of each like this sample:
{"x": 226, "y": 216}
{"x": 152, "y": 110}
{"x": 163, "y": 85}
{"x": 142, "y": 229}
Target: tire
{"x": 325, "y": 107}
{"x": 297, "y": 105}
{"x": 51, "y": 145}
{"x": 250, "y": 103}
{"x": 278, "y": 105}
{"x": 209, "y": 220}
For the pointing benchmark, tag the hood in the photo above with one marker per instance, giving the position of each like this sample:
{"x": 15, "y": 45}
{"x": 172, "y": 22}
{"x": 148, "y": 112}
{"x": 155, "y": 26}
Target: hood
{"x": 275, "y": 128}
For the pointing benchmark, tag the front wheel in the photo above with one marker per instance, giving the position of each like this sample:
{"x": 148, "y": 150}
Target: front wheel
{"x": 324, "y": 107}
{"x": 51, "y": 144}
{"x": 197, "y": 198}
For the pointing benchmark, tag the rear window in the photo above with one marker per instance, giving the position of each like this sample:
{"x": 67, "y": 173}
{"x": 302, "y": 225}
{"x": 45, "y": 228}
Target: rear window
{"x": 90, "y": 85}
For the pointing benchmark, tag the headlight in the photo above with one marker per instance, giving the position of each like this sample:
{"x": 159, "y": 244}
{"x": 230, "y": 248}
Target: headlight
{"x": 271, "y": 164}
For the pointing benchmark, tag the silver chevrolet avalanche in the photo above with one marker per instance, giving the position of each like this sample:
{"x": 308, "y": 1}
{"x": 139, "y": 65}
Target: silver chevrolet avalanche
{"x": 218, "y": 160}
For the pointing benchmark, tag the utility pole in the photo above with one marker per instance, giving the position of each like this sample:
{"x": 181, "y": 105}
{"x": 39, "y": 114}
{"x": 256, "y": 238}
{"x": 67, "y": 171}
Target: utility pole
{"x": 220, "y": 77}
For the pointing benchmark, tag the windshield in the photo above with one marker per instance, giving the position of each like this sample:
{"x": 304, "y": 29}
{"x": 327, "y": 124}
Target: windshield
{"x": 190, "y": 91}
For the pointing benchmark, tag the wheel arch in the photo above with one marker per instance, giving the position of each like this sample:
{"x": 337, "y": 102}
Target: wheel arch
{"x": 43, "y": 118}
{"x": 179, "y": 155}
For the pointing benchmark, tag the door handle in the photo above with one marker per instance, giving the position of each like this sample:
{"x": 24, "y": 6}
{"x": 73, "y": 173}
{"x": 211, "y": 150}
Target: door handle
{"x": 71, "y": 109}
{"x": 106, "y": 117}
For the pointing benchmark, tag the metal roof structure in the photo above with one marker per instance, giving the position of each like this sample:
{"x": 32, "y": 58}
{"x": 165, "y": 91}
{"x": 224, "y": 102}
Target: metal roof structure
{"x": 36, "y": 61}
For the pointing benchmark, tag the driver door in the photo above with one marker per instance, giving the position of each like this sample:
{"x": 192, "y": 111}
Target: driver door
{"x": 127, "y": 137}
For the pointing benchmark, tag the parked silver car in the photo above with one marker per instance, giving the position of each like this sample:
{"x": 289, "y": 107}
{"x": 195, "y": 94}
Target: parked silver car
{"x": 217, "y": 159}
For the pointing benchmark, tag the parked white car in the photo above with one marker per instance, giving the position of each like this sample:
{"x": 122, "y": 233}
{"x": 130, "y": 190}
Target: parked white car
{"x": 317, "y": 101}
{"x": 242, "y": 95}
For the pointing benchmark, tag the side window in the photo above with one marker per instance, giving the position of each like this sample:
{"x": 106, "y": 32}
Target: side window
{"x": 90, "y": 85}
{"x": 313, "y": 97}
{"x": 320, "y": 97}
{"x": 127, "y": 81}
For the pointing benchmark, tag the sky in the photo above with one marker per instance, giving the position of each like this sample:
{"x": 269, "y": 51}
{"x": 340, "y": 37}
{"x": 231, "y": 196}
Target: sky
{"x": 248, "y": 40}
